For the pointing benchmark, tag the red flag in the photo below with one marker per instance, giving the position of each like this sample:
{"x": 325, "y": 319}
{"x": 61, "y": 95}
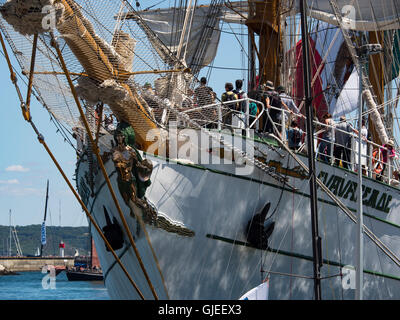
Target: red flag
{"x": 318, "y": 101}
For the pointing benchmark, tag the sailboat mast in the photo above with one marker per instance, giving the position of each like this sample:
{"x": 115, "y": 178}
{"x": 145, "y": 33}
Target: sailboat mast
{"x": 316, "y": 239}
{"x": 44, "y": 219}
{"x": 9, "y": 248}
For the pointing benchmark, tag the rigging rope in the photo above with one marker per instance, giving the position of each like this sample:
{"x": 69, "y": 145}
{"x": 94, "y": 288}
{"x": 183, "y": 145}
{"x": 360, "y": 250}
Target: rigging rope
{"x": 276, "y": 251}
{"x": 104, "y": 171}
{"x": 60, "y": 127}
{"x": 339, "y": 249}
{"x": 42, "y": 141}
{"x": 282, "y": 189}
{"x": 380, "y": 263}
{"x": 352, "y": 216}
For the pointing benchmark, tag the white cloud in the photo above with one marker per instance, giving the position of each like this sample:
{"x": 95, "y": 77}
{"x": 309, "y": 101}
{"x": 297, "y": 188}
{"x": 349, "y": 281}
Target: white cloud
{"x": 16, "y": 168}
{"x": 19, "y": 192}
{"x": 13, "y": 181}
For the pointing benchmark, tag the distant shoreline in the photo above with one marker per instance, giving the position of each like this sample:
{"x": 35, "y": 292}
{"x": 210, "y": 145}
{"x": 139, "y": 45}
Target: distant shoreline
{"x": 75, "y": 239}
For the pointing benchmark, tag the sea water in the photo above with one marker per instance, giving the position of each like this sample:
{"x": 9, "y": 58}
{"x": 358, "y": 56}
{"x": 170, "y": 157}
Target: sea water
{"x": 39, "y": 286}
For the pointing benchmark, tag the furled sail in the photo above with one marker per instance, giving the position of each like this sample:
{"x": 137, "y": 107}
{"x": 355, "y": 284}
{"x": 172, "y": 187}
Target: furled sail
{"x": 359, "y": 15}
{"x": 162, "y": 23}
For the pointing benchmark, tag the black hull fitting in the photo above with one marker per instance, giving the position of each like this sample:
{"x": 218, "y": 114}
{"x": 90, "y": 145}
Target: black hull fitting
{"x": 84, "y": 276}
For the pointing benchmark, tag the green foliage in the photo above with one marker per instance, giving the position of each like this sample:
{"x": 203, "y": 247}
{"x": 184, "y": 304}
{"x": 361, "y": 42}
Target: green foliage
{"x": 30, "y": 237}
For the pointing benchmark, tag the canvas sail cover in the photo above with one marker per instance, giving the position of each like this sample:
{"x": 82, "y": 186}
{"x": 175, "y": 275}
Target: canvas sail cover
{"x": 360, "y": 15}
{"x": 163, "y": 23}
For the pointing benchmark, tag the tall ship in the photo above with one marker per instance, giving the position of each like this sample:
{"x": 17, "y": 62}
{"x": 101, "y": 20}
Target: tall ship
{"x": 191, "y": 193}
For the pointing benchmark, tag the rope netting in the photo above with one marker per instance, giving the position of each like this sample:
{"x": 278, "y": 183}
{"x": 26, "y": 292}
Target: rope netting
{"x": 113, "y": 59}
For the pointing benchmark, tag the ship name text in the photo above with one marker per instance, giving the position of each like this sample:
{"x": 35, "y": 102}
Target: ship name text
{"x": 347, "y": 189}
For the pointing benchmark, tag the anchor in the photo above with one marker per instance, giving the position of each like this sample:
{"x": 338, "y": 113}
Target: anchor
{"x": 113, "y": 232}
{"x": 258, "y": 231}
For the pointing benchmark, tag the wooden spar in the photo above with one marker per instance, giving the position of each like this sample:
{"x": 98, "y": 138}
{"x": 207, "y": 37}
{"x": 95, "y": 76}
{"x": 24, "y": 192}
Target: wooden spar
{"x": 26, "y": 111}
{"x": 96, "y": 151}
{"x": 98, "y": 71}
{"x": 82, "y": 74}
{"x": 98, "y": 66}
{"x": 265, "y": 22}
{"x": 376, "y": 78}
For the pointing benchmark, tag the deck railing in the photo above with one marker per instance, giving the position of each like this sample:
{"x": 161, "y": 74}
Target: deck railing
{"x": 372, "y": 163}
{"x": 223, "y": 115}
{"x": 227, "y": 115}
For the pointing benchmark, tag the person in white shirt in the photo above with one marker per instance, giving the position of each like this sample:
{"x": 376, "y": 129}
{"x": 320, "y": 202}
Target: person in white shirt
{"x": 288, "y": 100}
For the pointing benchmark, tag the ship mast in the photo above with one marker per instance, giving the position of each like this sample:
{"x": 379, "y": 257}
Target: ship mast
{"x": 376, "y": 77}
{"x": 264, "y": 20}
{"x": 316, "y": 239}
{"x": 9, "y": 248}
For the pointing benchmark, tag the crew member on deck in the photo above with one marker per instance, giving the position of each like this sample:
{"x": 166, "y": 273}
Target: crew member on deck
{"x": 342, "y": 150}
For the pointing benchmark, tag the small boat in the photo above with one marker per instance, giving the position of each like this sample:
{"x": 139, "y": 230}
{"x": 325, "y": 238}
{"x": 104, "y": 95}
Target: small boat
{"x": 84, "y": 275}
{"x": 91, "y": 272}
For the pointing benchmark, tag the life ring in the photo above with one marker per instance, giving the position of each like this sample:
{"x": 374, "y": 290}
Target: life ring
{"x": 377, "y": 161}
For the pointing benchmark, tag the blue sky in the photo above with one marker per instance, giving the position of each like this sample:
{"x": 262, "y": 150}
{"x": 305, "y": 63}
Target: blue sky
{"x": 25, "y": 165}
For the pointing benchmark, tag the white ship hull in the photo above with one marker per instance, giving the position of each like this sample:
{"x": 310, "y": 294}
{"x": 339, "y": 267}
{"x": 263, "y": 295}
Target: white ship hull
{"x": 217, "y": 262}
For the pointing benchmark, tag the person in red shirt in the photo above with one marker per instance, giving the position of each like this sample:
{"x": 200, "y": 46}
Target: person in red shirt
{"x": 388, "y": 151}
